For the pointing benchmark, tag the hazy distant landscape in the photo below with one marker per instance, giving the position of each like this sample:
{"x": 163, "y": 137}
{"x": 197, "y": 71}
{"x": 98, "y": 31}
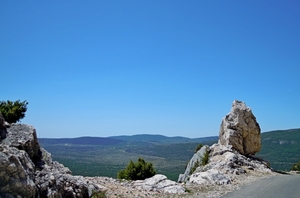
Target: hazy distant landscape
{"x": 281, "y": 148}
{"x": 96, "y": 156}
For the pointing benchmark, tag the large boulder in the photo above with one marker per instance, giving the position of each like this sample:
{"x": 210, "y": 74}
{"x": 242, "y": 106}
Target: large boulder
{"x": 17, "y": 150}
{"x": 240, "y": 129}
{"x": 24, "y": 137}
{"x": 27, "y": 170}
{"x": 16, "y": 173}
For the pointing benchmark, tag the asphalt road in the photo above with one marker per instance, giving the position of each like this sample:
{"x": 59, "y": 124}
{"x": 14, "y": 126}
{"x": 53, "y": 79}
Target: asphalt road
{"x": 280, "y": 186}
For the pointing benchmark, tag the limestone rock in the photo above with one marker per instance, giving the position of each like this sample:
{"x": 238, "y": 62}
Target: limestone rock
{"x": 211, "y": 176}
{"x": 161, "y": 183}
{"x": 54, "y": 184}
{"x": 197, "y": 158}
{"x": 55, "y": 180}
{"x": 46, "y": 163}
{"x": 156, "y": 186}
{"x": 27, "y": 170}
{"x": 240, "y": 129}
{"x": 227, "y": 165}
{"x": 226, "y": 159}
{"x": 16, "y": 173}
{"x": 23, "y": 137}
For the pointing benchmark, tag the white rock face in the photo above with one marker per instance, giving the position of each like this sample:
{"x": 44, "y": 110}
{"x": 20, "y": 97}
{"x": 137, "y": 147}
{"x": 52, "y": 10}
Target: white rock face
{"x": 156, "y": 186}
{"x": 16, "y": 173}
{"x": 197, "y": 157}
{"x": 161, "y": 183}
{"x": 211, "y": 176}
{"x": 227, "y": 165}
{"x": 240, "y": 130}
{"x": 27, "y": 170}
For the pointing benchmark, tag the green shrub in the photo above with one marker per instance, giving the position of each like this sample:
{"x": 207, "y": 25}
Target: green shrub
{"x": 137, "y": 171}
{"x": 296, "y": 167}
{"x": 188, "y": 190}
{"x": 194, "y": 167}
{"x": 205, "y": 158}
{"x": 198, "y": 147}
{"x": 204, "y": 161}
{"x": 98, "y": 194}
{"x": 13, "y": 111}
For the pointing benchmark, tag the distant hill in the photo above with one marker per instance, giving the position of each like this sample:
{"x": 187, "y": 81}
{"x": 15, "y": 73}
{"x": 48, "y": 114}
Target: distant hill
{"x": 161, "y": 139}
{"x": 81, "y": 141}
{"x": 281, "y": 148}
{"x": 134, "y": 139}
{"x": 107, "y": 156}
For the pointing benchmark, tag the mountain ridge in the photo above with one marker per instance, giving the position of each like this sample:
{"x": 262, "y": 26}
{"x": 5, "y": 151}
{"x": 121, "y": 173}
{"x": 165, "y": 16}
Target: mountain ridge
{"x": 280, "y": 147}
{"x": 154, "y": 138}
{"x": 150, "y": 138}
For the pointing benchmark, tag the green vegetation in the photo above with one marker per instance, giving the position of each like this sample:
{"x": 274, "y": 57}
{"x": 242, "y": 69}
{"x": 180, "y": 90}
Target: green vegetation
{"x": 105, "y": 157}
{"x": 296, "y": 166}
{"x": 205, "y": 158}
{"x": 13, "y": 111}
{"x": 199, "y": 146}
{"x": 188, "y": 190}
{"x": 281, "y": 148}
{"x": 98, "y": 194}
{"x": 196, "y": 165}
{"x": 108, "y": 159}
{"x": 137, "y": 171}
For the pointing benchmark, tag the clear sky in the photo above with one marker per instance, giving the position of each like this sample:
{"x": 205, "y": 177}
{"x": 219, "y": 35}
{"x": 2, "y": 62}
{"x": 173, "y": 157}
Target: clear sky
{"x": 103, "y": 68}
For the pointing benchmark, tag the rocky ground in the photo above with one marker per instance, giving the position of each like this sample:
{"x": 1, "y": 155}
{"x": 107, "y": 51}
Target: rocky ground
{"x": 120, "y": 188}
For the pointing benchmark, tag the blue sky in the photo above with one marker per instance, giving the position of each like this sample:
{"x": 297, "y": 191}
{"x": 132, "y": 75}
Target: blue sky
{"x": 103, "y": 68}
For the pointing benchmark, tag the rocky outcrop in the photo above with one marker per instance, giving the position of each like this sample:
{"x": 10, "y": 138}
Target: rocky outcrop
{"x": 232, "y": 159}
{"x": 240, "y": 130}
{"x": 27, "y": 170}
{"x": 23, "y": 137}
{"x": 194, "y": 161}
{"x": 156, "y": 186}
{"x": 227, "y": 165}
{"x": 16, "y": 173}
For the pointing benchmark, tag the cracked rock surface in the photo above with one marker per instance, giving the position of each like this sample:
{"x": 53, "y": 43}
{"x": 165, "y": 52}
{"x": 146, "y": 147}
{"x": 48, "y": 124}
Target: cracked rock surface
{"x": 240, "y": 129}
{"x": 27, "y": 170}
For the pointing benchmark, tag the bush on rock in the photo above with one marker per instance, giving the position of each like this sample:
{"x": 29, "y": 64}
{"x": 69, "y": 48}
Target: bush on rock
{"x": 137, "y": 171}
{"x": 13, "y": 111}
{"x": 296, "y": 166}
